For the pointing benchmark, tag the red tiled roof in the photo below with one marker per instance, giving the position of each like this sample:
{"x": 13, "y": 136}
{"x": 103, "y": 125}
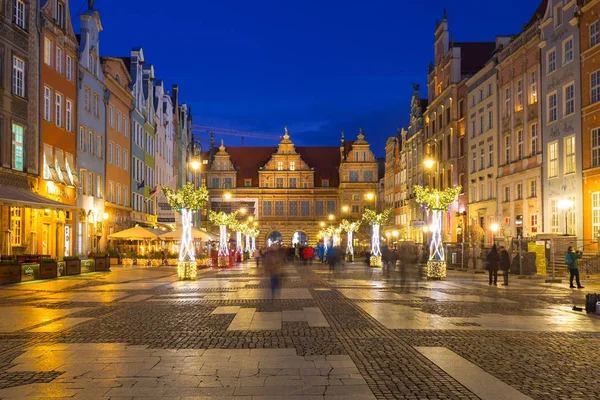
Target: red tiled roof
{"x": 325, "y": 160}
{"x": 474, "y": 55}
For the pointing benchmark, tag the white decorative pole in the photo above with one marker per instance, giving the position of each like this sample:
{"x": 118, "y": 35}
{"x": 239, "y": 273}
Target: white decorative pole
{"x": 186, "y": 200}
{"x": 376, "y": 220}
{"x": 223, "y": 220}
{"x": 238, "y": 242}
{"x": 438, "y": 202}
{"x": 223, "y": 249}
{"x": 375, "y": 241}
{"x": 349, "y": 228}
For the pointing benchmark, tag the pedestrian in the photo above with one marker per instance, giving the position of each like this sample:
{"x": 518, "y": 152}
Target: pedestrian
{"x": 504, "y": 263}
{"x": 256, "y": 254}
{"x": 307, "y": 254}
{"x": 492, "y": 261}
{"x": 571, "y": 259}
{"x": 272, "y": 261}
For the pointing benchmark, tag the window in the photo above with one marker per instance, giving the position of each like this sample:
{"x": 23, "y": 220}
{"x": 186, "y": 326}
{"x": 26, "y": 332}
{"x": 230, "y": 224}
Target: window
{"x": 595, "y": 147}
{"x": 20, "y": 14}
{"x": 59, "y": 60}
{"x": 58, "y": 108}
{"x": 507, "y": 149}
{"x": 491, "y": 155}
{"x": 553, "y": 216}
{"x": 325, "y": 182}
{"x": 83, "y": 181}
{"x": 292, "y": 165}
{"x": 91, "y": 139}
{"x": 125, "y": 196}
{"x": 111, "y": 116}
{"x": 319, "y": 208}
{"x": 533, "y": 188}
{"x": 506, "y": 194}
{"x": 18, "y": 77}
{"x": 110, "y": 193}
{"x": 480, "y": 124}
{"x": 118, "y": 156}
{"x": 15, "y": 226}
{"x": 69, "y": 73}
{"x": 552, "y": 160}
{"x": 279, "y": 165}
{"x": 551, "y": 58}
{"x": 292, "y": 182}
{"x": 568, "y": 50}
{"x": 110, "y": 152}
{"x": 99, "y": 146}
{"x": 86, "y": 99}
{"x": 278, "y": 182}
{"x": 519, "y": 191}
{"x": 532, "y": 87}
{"x": 519, "y": 94}
{"x": 69, "y": 116}
{"x": 594, "y": 33}
{"x": 481, "y": 191}
{"x": 481, "y": 158}
{"x": 47, "y": 103}
{"x": 534, "y": 222}
{"x": 595, "y": 86}
{"x": 278, "y": 208}
{"x": 214, "y": 182}
{"x": 552, "y": 112}
{"x": 81, "y": 138}
{"x": 48, "y": 51}
{"x": 507, "y": 101}
{"x": 558, "y": 16}
{"x": 248, "y": 182}
{"x": 118, "y": 193}
{"x": 90, "y": 184}
{"x": 473, "y": 127}
{"x": 534, "y": 139}
{"x": 519, "y": 144}
{"x": 118, "y": 121}
{"x": 99, "y": 186}
{"x": 490, "y": 119}
{"x": 125, "y": 160}
{"x": 96, "y": 105}
{"x": 367, "y": 176}
{"x": 227, "y": 183}
{"x": 595, "y": 214}
{"x": 18, "y": 134}
{"x": 267, "y": 208}
{"x": 569, "y": 99}
{"x": 125, "y": 127}
{"x": 355, "y": 208}
{"x": 474, "y": 162}
{"x": 305, "y": 208}
{"x": 570, "y": 155}
{"x": 293, "y": 208}
{"x": 60, "y": 14}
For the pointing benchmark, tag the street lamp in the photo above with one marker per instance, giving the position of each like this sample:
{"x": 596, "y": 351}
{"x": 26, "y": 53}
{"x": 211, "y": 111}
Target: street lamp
{"x": 566, "y": 206}
{"x": 228, "y": 195}
{"x": 345, "y": 209}
{"x": 429, "y": 163}
{"x": 322, "y": 224}
{"x": 331, "y": 217}
{"x": 370, "y": 196}
{"x": 494, "y": 228}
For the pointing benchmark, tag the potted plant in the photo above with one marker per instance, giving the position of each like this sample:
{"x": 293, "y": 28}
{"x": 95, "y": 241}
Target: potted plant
{"x": 10, "y": 272}
{"x": 141, "y": 259}
{"x": 101, "y": 261}
{"x": 48, "y": 268}
{"x": 114, "y": 257}
{"x": 72, "y": 265}
{"x": 156, "y": 259}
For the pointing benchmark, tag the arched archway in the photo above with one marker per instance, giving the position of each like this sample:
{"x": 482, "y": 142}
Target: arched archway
{"x": 300, "y": 238}
{"x": 273, "y": 238}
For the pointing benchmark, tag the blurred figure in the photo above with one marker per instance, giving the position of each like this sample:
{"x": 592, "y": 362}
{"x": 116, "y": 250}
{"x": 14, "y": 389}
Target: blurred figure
{"x": 272, "y": 260}
{"x": 492, "y": 259}
{"x": 504, "y": 264}
{"x": 257, "y": 254}
{"x": 307, "y": 254}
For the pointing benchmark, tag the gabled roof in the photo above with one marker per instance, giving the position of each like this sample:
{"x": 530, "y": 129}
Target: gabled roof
{"x": 474, "y": 55}
{"x": 538, "y": 14}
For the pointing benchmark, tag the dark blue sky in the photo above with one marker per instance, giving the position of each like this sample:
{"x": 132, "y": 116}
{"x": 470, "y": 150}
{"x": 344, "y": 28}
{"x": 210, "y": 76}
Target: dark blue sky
{"x": 316, "y": 66}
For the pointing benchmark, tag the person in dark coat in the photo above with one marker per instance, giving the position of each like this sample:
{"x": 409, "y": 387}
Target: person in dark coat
{"x": 493, "y": 258}
{"x": 504, "y": 264}
{"x": 572, "y": 261}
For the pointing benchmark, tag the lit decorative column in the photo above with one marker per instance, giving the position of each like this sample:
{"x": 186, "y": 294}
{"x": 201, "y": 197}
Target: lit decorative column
{"x": 437, "y": 202}
{"x": 350, "y": 228}
{"x": 376, "y": 220}
{"x": 222, "y": 219}
{"x": 186, "y": 200}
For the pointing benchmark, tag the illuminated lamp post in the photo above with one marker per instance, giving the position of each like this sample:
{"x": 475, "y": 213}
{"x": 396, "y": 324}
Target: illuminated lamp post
{"x": 350, "y": 228}
{"x": 376, "y": 220}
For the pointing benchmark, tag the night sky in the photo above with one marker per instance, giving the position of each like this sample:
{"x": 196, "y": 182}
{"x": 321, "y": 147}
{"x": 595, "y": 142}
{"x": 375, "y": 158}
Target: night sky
{"x": 316, "y": 66}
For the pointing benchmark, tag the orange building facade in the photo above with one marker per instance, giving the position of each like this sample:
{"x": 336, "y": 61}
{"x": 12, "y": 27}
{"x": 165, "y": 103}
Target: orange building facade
{"x": 118, "y": 148}
{"x": 58, "y": 115}
{"x": 590, "y": 117}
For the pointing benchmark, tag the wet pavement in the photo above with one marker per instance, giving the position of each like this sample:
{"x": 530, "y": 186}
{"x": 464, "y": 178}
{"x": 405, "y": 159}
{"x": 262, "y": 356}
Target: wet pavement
{"x": 353, "y": 334}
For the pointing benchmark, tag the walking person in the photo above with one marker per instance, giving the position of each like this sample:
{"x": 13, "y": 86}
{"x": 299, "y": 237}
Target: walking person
{"x": 492, "y": 259}
{"x": 272, "y": 261}
{"x": 572, "y": 261}
{"x": 257, "y": 255}
{"x": 504, "y": 263}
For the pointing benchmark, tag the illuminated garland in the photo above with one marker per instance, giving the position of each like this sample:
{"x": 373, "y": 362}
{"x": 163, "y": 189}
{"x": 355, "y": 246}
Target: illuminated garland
{"x": 350, "y": 228}
{"x": 435, "y": 199}
{"x": 376, "y": 220}
{"x": 188, "y": 197}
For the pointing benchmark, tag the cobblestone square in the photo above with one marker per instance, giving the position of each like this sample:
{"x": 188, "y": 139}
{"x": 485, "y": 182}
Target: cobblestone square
{"x": 349, "y": 334}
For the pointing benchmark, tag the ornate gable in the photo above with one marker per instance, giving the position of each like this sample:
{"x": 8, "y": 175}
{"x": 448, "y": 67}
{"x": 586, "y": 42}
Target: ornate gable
{"x": 286, "y": 158}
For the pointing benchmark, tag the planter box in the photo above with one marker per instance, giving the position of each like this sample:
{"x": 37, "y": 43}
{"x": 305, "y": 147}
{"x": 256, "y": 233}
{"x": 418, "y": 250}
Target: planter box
{"x": 128, "y": 261}
{"x": 48, "y": 270}
{"x": 88, "y": 265}
{"x": 10, "y": 274}
{"x": 73, "y": 267}
{"x": 114, "y": 261}
{"x": 102, "y": 263}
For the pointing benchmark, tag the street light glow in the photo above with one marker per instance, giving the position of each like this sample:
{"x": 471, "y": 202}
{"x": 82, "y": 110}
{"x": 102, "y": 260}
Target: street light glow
{"x": 565, "y": 204}
{"x": 105, "y": 216}
{"x": 331, "y": 217}
{"x": 395, "y": 233}
{"x": 195, "y": 164}
{"x": 251, "y": 218}
{"x": 494, "y": 227}
{"x": 322, "y": 224}
{"x": 228, "y": 195}
{"x": 242, "y": 210}
{"x": 370, "y": 196}
{"x": 345, "y": 208}
{"x": 429, "y": 163}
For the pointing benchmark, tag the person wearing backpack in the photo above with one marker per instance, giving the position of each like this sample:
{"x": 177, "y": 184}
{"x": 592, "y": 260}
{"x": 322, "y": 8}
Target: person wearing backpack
{"x": 571, "y": 259}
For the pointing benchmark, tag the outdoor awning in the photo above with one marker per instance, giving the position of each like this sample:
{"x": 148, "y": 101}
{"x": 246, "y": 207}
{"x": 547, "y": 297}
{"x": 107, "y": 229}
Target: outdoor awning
{"x": 135, "y": 233}
{"x": 24, "y": 198}
{"x": 196, "y": 234}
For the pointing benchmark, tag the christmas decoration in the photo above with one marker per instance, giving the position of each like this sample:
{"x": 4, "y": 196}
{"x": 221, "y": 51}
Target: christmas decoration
{"x": 436, "y": 201}
{"x": 187, "y": 200}
{"x": 350, "y": 228}
{"x": 222, "y": 219}
{"x": 376, "y": 220}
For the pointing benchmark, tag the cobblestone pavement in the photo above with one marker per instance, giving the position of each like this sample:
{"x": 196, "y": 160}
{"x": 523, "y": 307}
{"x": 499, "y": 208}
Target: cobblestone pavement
{"x": 352, "y": 334}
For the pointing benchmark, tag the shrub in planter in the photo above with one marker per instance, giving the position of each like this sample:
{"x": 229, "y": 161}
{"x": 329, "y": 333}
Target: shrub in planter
{"x": 48, "y": 268}
{"x": 101, "y": 262}
{"x": 10, "y": 272}
{"x": 72, "y": 265}
{"x": 114, "y": 257}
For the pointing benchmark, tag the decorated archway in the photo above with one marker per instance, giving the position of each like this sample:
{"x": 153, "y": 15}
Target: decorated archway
{"x": 274, "y": 238}
{"x": 300, "y": 238}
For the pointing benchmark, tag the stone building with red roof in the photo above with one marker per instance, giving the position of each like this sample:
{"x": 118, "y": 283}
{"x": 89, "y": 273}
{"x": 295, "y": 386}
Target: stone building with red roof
{"x": 292, "y": 191}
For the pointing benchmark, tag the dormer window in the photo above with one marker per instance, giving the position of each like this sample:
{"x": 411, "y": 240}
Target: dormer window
{"x": 60, "y": 14}
{"x": 325, "y": 183}
{"x": 279, "y": 165}
{"x": 292, "y": 165}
